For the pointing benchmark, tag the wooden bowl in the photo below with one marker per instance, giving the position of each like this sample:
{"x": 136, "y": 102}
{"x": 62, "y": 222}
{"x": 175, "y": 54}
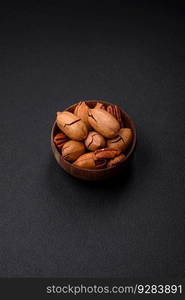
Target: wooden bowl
{"x": 101, "y": 174}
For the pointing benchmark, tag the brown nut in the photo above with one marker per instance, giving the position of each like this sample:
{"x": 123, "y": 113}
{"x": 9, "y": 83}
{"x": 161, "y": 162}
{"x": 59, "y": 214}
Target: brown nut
{"x": 81, "y": 111}
{"x": 106, "y": 153}
{"x": 116, "y": 160}
{"x": 116, "y": 112}
{"x": 103, "y": 122}
{"x": 86, "y": 161}
{"x": 72, "y": 150}
{"x": 89, "y": 161}
{"x": 94, "y": 141}
{"x": 60, "y": 140}
{"x": 71, "y": 125}
{"x": 122, "y": 141}
{"x": 118, "y": 115}
{"x": 116, "y": 143}
{"x": 126, "y": 135}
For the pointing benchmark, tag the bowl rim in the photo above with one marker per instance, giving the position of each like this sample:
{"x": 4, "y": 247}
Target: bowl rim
{"x": 132, "y": 148}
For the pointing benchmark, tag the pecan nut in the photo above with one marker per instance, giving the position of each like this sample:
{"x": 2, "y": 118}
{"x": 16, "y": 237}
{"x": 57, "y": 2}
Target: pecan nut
{"x": 127, "y": 136}
{"x": 81, "y": 111}
{"x": 122, "y": 141}
{"x": 60, "y": 140}
{"x": 72, "y": 150}
{"x": 116, "y": 143}
{"x": 72, "y": 125}
{"x": 94, "y": 141}
{"x": 106, "y": 153}
{"x": 89, "y": 161}
{"x": 116, "y": 160}
{"x": 116, "y": 112}
{"x": 103, "y": 122}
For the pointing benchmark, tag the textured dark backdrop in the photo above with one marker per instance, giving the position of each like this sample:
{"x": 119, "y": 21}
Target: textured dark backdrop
{"x": 50, "y": 223}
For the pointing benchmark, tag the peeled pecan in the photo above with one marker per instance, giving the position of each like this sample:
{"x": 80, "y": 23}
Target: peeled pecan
{"x": 118, "y": 116}
{"x": 116, "y": 160}
{"x": 116, "y": 112}
{"x": 60, "y": 140}
{"x": 106, "y": 153}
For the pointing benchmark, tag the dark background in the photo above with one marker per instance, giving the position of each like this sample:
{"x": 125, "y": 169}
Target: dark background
{"x": 51, "y": 57}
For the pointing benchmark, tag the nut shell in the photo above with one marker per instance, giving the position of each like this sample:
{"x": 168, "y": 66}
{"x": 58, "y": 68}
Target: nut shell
{"x": 89, "y": 161}
{"x": 116, "y": 143}
{"x": 103, "y": 122}
{"x": 127, "y": 136}
{"x": 122, "y": 141}
{"x": 72, "y": 125}
{"x": 94, "y": 141}
{"x": 86, "y": 161}
{"x": 81, "y": 111}
{"x": 72, "y": 150}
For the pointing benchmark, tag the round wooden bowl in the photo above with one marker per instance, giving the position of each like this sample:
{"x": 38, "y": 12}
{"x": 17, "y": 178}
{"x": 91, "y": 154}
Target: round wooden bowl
{"x": 100, "y": 174}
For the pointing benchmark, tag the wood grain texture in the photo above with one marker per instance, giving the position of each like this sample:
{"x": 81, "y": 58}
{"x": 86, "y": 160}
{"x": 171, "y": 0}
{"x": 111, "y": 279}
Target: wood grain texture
{"x": 101, "y": 174}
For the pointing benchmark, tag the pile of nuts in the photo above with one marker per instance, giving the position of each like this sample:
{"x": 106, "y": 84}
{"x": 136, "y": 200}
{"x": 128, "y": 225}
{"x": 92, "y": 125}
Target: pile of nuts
{"x": 92, "y": 138}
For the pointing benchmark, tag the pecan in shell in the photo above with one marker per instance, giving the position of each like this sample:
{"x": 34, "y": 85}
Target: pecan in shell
{"x": 89, "y": 161}
{"x": 103, "y": 122}
{"x": 72, "y": 150}
{"x": 72, "y": 125}
{"x": 122, "y": 141}
{"x": 81, "y": 111}
{"x": 94, "y": 141}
